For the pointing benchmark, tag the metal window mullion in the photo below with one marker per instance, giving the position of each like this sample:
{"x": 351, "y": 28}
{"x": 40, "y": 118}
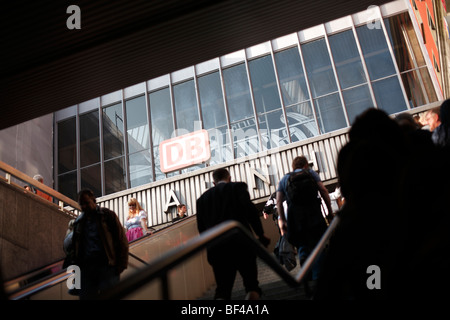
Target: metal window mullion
{"x": 255, "y": 112}
{"x": 283, "y": 107}
{"x": 199, "y": 109}
{"x": 150, "y": 130}
{"x": 125, "y": 129}
{"x": 416, "y": 66}
{"x": 197, "y": 97}
{"x": 78, "y": 146}
{"x": 55, "y": 154}
{"x": 227, "y": 114}
{"x": 102, "y": 156}
{"x": 428, "y": 62}
{"x": 319, "y": 131}
{"x": 174, "y": 115}
{"x": 391, "y": 51}
{"x": 333, "y": 66}
{"x": 172, "y": 103}
{"x": 363, "y": 62}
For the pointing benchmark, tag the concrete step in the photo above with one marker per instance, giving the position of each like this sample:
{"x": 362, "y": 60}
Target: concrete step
{"x": 273, "y": 287}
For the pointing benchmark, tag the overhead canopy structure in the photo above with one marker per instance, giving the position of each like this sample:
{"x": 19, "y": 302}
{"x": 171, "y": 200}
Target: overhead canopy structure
{"x": 46, "y": 66}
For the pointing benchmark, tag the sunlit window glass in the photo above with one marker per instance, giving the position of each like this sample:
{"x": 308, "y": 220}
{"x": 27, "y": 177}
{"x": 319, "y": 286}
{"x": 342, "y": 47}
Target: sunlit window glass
{"x": 113, "y": 132}
{"x": 238, "y": 93}
{"x": 89, "y": 139}
{"x": 186, "y": 109}
{"x": 67, "y": 144}
{"x": 137, "y": 125}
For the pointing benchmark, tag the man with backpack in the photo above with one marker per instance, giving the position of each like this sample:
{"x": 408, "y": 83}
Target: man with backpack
{"x": 305, "y": 223}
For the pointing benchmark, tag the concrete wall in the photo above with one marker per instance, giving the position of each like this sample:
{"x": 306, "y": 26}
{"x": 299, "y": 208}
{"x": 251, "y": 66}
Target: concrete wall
{"x": 32, "y": 231}
{"x": 28, "y": 147}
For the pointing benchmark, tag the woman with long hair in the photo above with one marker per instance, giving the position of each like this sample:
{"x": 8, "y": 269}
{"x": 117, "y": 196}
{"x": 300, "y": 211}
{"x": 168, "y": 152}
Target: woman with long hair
{"x": 136, "y": 223}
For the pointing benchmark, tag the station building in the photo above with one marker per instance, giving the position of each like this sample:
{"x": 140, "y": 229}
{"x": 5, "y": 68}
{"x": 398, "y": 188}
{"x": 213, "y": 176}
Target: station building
{"x": 251, "y": 111}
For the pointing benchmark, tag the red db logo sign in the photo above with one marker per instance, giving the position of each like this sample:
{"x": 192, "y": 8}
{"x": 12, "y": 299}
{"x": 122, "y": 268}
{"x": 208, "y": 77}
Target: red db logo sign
{"x": 184, "y": 151}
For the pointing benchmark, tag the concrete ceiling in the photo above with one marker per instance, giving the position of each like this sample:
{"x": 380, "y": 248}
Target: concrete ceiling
{"x": 47, "y": 67}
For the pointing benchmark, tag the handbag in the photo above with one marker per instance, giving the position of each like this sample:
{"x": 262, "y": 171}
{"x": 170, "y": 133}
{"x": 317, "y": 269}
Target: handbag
{"x": 285, "y": 253}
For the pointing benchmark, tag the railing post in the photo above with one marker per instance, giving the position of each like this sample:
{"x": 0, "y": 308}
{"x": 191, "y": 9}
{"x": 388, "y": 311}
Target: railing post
{"x": 165, "y": 287}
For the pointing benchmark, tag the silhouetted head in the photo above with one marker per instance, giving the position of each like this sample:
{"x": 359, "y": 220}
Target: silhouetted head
{"x": 221, "y": 174}
{"x": 87, "y": 200}
{"x": 299, "y": 162}
{"x": 445, "y": 113}
{"x": 374, "y": 124}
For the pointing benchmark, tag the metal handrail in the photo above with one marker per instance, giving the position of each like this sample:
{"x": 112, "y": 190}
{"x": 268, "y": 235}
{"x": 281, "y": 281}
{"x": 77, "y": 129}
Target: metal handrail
{"x": 62, "y": 199}
{"x": 57, "y": 277}
{"x": 33, "y": 288}
{"x": 49, "y": 281}
{"x": 61, "y": 275}
{"x": 160, "y": 267}
{"x": 318, "y": 249}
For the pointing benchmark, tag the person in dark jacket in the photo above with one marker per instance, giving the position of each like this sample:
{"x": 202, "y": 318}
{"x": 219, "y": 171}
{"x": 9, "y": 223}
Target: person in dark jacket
{"x": 231, "y": 201}
{"x": 441, "y": 135}
{"x": 100, "y": 246}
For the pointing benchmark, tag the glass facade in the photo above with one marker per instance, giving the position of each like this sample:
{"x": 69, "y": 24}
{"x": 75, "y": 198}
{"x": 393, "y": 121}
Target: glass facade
{"x": 248, "y": 103}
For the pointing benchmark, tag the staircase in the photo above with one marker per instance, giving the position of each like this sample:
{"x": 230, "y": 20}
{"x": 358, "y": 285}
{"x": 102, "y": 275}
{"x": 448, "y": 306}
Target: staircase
{"x": 273, "y": 287}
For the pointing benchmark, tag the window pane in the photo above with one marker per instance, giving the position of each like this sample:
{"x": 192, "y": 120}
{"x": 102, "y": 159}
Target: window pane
{"x": 186, "y": 108}
{"x": 91, "y": 179}
{"x": 193, "y": 168}
{"x": 67, "y": 185}
{"x": 388, "y": 94}
{"x": 67, "y": 144}
{"x": 329, "y": 113}
{"x": 137, "y": 125}
{"x": 301, "y": 122}
{"x": 162, "y": 125}
{"x": 404, "y": 42}
{"x": 273, "y": 130}
{"x": 219, "y": 142}
{"x": 158, "y": 173}
{"x": 140, "y": 168}
{"x": 347, "y": 59}
{"x": 245, "y": 138}
{"x": 413, "y": 89}
{"x": 318, "y": 67}
{"x": 237, "y": 93}
{"x": 376, "y": 52}
{"x": 89, "y": 139}
{"x": 162, "y": 119}
{"x": 408, "y": 55}
{"x": 356, "y": 101}
{"x": 211, "y": 100}
{"x": 265, "y": 91}
{"x": 115, "y": 175}
{"x": 113, "y": 132}
{"x": 291, "y": 76}
{"x": 429, "y": 88}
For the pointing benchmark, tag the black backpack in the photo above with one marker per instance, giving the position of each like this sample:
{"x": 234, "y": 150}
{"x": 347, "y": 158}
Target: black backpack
{"x": 301, "y": 188}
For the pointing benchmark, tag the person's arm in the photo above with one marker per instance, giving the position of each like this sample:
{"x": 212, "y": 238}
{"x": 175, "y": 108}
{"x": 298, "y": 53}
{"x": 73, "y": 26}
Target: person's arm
{"x": 326, "y": 197}
{"x": 200, "y": 223}
{"x": 144, "y": 222}
{"x": 252, "y": 213}
{"x": 121, "y": 245}
{"x": 282, "y": 223}
{"x": 144, "y": 226}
